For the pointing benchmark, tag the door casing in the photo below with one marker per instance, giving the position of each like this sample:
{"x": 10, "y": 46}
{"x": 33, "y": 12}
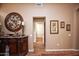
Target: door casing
{"x": 44, "y": 19}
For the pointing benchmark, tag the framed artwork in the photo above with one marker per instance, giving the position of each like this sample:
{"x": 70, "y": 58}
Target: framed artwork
{"x": 54, "y": 27}
{"x": 62, "y": 24}
{"x": 13, "y": 21}
{"x": 68, "y": 27}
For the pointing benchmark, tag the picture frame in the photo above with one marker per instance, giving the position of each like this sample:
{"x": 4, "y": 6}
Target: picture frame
{"x": 62, "y": 24}
{"x": 68, "y": 27}
{"x": 54, "y": 26}
{"x": 13, "y": 22}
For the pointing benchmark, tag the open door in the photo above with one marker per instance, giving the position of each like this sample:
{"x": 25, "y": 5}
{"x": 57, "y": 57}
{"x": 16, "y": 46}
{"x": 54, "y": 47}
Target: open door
{"x": 39, "y": 31}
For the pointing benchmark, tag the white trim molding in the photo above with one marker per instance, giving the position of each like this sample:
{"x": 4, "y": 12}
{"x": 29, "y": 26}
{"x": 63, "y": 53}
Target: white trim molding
{"x": 62, "y": 50}
{"x": 32, "y": 50}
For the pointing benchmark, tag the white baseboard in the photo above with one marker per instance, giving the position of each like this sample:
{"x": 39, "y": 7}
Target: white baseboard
{"x": 32, "y": 50}
{"x": 62, "y": 50}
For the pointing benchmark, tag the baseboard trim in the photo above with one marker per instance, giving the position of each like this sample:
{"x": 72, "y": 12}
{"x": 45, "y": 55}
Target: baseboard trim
{"x": 62, "y": 50}
{"x": 32, "y": 50}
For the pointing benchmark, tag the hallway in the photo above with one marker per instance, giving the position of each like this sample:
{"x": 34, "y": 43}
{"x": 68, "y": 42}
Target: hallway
{"x": 38, "y": 47}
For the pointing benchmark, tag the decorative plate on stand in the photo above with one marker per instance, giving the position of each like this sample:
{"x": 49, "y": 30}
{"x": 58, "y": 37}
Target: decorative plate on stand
{"x": 13, "y": 22}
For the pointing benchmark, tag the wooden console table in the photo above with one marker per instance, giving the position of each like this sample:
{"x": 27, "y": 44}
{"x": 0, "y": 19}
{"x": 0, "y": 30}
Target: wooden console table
{"x": 18, "y": 46}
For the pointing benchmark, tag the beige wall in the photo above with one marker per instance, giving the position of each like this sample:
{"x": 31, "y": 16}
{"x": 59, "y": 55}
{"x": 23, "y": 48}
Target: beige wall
{"x": 75, "y": 27}
{"x": 61, "y": 12}
{"x": 77, "y": 41}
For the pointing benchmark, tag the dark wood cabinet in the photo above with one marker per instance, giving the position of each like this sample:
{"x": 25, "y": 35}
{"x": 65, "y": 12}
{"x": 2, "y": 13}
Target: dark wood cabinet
{"x": 18, "y": 46}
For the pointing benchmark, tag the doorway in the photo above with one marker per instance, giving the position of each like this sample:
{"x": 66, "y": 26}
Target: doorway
{"x": 39, "y": 34}
{"x": 77, "y": 29}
